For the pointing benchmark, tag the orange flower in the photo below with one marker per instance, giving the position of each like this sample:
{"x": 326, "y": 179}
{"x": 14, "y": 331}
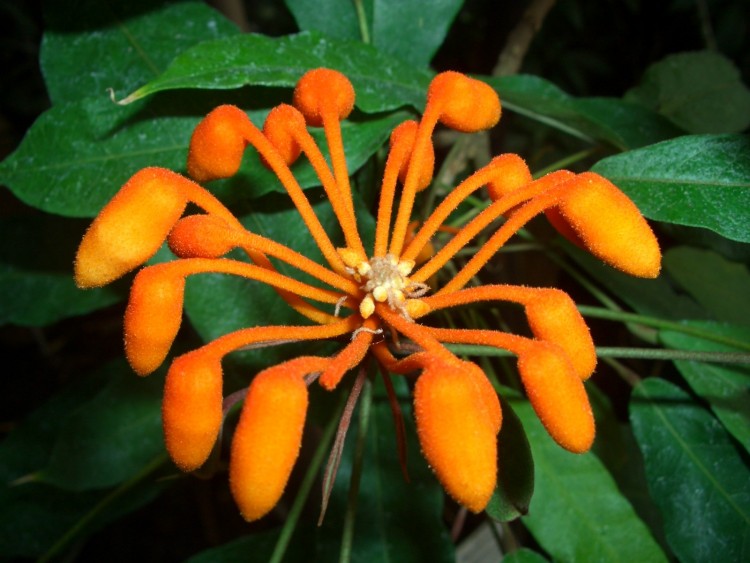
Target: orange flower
{"x": 363, "y": 294}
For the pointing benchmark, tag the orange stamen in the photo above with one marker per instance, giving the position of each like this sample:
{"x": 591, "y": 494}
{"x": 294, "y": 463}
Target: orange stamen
{"x": 349, "y": 357}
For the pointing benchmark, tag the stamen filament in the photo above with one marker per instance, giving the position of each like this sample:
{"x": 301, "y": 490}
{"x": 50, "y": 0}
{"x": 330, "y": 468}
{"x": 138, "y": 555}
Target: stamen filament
{"x": 393, "y": 164}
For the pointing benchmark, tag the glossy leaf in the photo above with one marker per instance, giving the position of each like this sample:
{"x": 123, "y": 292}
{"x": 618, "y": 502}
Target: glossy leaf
{"x": 577, "y": 512}
{"x": 262, "y": 61}
{"x": 695, "y": 473}
{"x": 702, "y": 92}
{"x": 725, "y": 387}
{"x": 110, "y": 437}
{"x": 36, "y": 268}
{"x": 515, "y": 479}
{"x": 622, "y": 124}
{"x": 90, "y": 47}
{"x": 699, "y": 181}
{"x": 335, "y": 18}
{"x": 76, "y": 156}
{"x": 718, "y": 285}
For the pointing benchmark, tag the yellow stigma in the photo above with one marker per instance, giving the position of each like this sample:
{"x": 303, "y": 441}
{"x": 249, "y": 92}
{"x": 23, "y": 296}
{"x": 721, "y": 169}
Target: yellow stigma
{"x": 385, "y": 281}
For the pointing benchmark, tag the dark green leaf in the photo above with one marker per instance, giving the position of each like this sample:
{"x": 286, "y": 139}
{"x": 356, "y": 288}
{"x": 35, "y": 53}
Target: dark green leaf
{"x": 381, "y": 82}
{"x": 396, "y": 520}
{"x": 335, "y": 18}
{"x": 258, "y": 547}
{"x": 624, "y": 125}
{"x": 409, "y": 30}
{"x": 76, "y": 157}
{"x": 700, "y": 181}
{"x": 91, "y": 46}
{"x": 725, "y": 387}
{"x": 695, "y": 473}
{"x": 36, "y": 268}
{"x": 702, "y": 92}
{"x": 110, "y": 437}
{"x": 515, "y": 479}
{"x": 718, "y": 285}
{"x": 577, "y": 512}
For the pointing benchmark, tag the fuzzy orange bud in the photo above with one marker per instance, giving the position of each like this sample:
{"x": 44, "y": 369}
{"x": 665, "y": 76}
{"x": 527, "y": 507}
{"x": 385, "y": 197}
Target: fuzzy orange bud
{"x": 609, "y": 224}
{"x": 321, "y": 90}
{"x": 464, "y": 103}
{"x": 192, "y": 408}
{"x": 201, "y": 236}
{"x": 131, "y": 227}
{"x": 510, "y": 173}
{"x": 458, "y": 432}
{"x": 279, "y": 128}
{"x": 553, "y": 317}
{"x": 217, "y": 145}
{"x": 267, "y": 440}
{"x": 403, "y": 138}
{"x": 558, "y": 396}
{"x": 153, "y": 317}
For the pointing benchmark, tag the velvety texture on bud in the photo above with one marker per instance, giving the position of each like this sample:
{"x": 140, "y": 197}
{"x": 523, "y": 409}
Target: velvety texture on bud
{"x": 267, "y": 440}
{"x": 509, "y": 174}
{"x": 278, "y": 128}
{"x": 553, "y": 317}
{"x": 131, "y": 227}
{"x": 201, "y": 236}
{"x": 558, "y": 397}
{"x": 192, "y": 409}
{"x": 153, "y": 317}
{"x": 609, "y": 224}
{"x": 403, "y": 138}
{"x": 457, "y": 432}
{"x": 322, "y": 89}
{"x": 217, "y": 145}
{"x": 465, "y": 104}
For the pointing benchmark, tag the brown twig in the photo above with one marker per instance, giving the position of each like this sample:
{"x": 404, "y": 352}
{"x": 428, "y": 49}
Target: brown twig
{"x": 519, "y": 40}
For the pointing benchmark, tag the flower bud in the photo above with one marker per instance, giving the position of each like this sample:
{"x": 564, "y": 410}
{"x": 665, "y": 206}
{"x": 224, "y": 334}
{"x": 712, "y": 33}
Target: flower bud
{"x": 278, "y": 128}
{"x": 553, "y": 317}
{"x": 609, "y": 224}
{"x": 403, "y": 138}
{"x": 267, "y": 440}
{"x": 558, "y": 396}
{"x": 464, "y": 103}
{"x": 509, "y": 174}
{"x": 457, "y": 433}
{"x": 217, "y": 145}
{"x": 192, "y": 408}
{"x": 130, "y": 228}
{"x": 201, "y": 236}
{"x": 321, "y": 89}
{"x": 153, "y": 317}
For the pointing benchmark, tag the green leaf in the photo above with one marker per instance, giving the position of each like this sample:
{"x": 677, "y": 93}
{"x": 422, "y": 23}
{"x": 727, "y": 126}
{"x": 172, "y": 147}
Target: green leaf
{"x": 396, "y": 520}
{"x": 577, "y": 512}
{"x": 335, "y": 18}
{"x": 515, "y": 479}
{"x": 524, "y": 555}
{"x": 36, "y": 268}
{"x": 76, "y": 156}
{"x": 702, "y": 92}
{"x": 699, "y": 180}
{"x": 90, "y": 47}
{"x": 725, "y": 387}
{"x": 111, "y": 436}
{"x": 695, "y": 474}
{"x": 717, "y": 284}
{"x": 622, "y": 124}
{"x": 381, "y": 83}
{"x": 409, "y": 30}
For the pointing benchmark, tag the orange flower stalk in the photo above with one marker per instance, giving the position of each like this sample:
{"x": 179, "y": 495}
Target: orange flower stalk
{"x": 374, "y": 298}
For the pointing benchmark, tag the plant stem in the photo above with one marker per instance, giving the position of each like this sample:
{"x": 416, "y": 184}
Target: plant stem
{"x": 364, "y": 32}
{"x": 600, "y": 313}
{"x": 304, "y": 490}
{"x": 89, "y": 517}
{"x": 359, "y": 453}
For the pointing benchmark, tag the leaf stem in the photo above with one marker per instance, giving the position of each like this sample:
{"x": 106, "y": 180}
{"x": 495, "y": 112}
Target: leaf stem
{"x": 362, "y": 21}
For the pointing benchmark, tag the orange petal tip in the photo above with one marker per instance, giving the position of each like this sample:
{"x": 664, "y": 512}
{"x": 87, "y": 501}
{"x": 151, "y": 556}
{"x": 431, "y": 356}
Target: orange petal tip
{"x": 322, "y": 90}
{"x": 217, "y": 145}
{"x": 465, "y": 104}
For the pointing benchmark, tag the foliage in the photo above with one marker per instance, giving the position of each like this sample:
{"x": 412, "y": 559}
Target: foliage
{"x": 83, "y": 464}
